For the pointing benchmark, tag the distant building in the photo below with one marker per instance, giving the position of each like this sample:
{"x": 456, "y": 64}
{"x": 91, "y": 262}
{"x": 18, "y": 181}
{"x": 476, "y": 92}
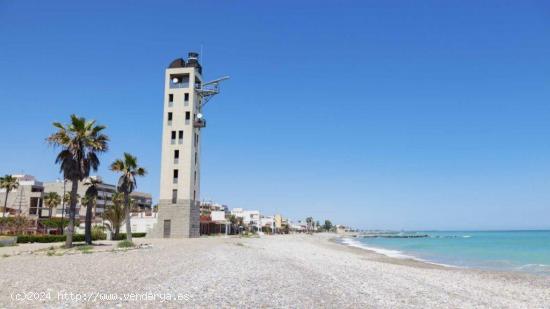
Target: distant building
{"x": 213, "y": 218}
{"x": 250, "y": 217}
{"x": 27, "y": 199}
{"x": 106, "y": 191}
{"x": 141, "y": 222}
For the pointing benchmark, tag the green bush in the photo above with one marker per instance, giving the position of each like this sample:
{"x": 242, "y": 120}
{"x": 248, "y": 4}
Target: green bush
{"x": 122, "y": 236}
{"x": 98, "y": 232}
{"x": 23, "y": 239}
{"x": 125, "y": 244}
{"x": 98, "y": 235}
{"x": 58, "y": 222}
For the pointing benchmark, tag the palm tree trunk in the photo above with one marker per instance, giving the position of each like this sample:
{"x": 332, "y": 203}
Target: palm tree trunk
{"x": 128, "y": 226}
{"x": 72, "y": 214}
{"x": 88, "y": 224}
{"x": 5, "y": 204}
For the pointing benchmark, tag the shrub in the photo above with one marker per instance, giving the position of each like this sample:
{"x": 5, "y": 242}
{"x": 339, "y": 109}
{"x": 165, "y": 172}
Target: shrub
{"x": 16, "y": 224}
{"x": 122, "y": 236}
{"x": 23, "y": 239}
{"x": 125, "y": 244}
{"x": 98, "y": 232}
{"x": 58, "y": 223}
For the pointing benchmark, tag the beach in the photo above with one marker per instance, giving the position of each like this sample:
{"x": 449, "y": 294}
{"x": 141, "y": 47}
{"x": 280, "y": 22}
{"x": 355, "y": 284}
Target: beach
{"x": 297, "y": 271}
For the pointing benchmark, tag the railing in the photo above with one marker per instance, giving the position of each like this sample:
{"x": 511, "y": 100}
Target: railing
{"x": 201, "y": 123}
{"x": 179, "y": 85}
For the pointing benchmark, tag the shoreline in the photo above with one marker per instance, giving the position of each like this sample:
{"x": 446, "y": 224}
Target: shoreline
{"x": 380, "y": 251}
{"x": 424, "y": 264}
{"x": 399, "y": 255}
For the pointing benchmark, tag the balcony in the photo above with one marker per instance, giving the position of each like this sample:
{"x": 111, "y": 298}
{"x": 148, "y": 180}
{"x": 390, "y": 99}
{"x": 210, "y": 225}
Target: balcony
{"x": 179, "y": 85}
{"x": 199, "y": 123}
{"x": 179, "y": 81}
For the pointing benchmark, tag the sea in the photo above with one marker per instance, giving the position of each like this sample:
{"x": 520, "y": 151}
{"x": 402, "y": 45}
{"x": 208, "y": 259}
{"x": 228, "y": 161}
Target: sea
{"x": 523, "y": 251}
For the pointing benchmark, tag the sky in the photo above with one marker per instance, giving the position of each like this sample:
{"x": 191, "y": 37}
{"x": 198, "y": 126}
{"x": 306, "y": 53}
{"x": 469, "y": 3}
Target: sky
{"x": 407, "y": 115}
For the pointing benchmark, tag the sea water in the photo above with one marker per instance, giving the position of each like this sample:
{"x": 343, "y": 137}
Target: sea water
{"x": 527, "y": 251}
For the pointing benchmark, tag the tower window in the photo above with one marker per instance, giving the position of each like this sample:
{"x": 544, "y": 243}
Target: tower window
{"x": 186, "y": 97}
{"x": 175, "y": 176}
{"x": 195, "y": 158}
{"x": 173, "y": 139}
{"x": 180, "y": 137}
{"x": 176, "y": 156}
{"x": 187, "y": 117}
{"x": 170, "y": 97}
{"x": 169, "y": 119}
{"x": 174, "y": 196}
{"x": 195, "y": 176}
{"x": 179, "y": 81}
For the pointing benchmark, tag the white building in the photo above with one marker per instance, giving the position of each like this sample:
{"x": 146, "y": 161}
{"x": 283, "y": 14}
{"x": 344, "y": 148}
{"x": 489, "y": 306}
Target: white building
{"x": 142, "y": 222}
{"x": 250, "y": 217}
{"x": 26, "y": 199}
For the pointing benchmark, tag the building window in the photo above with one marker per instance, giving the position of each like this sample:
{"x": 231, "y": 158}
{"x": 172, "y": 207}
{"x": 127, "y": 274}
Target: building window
{"x": 173, "y": 139}
{"x": 169, "y": 119}
{"x": 194, "y": 195}
{"x": 176, "y": 156}
{"x": 195, "y": 158}
{"x": 187, "y": 117}
{"x": 175, "y": 180}
{"x": 186, "y": 97}
{"x": 174, "y": 196}
{"x": 179, "y": 81}
{"x": 180, "y": 137}
{"x": 170, "y": 97}
{"x": 195, "y": 177}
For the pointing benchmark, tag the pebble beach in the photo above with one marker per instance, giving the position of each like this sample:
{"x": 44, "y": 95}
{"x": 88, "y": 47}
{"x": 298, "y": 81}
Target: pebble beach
{"x": 286, "y": 271}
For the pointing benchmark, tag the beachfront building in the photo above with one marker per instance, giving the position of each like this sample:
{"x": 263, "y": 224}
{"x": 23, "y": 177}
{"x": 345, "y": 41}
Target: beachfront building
{"x": 298, "y": 226}
{"x": 214, "y": 218}
{"x": 184, "y": 96}
{"x": 26, "y": 199}
{"x": 142, "y": 222}
{"x": 105, "y": 191}
{"x": 251, "y": 218}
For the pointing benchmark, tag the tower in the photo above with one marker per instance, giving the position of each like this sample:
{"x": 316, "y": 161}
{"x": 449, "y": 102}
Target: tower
{"x": 184, "y": 96}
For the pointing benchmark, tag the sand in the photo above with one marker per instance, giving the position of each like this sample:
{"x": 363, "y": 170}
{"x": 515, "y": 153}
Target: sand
{"x": 296, "y": 271}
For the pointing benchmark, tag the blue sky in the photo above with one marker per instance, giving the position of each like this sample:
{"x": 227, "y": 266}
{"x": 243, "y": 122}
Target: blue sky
{"x": 376, "y": 114}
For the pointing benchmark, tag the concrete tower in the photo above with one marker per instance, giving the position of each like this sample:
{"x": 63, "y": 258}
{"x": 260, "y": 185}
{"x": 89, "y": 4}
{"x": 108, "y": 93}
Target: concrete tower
{"x": 178, "y": 214}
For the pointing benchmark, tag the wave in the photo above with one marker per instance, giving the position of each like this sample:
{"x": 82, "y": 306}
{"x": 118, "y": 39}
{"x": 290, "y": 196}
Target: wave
{"x": 389, "y": 253}
{"x": 450, "y": 236}
{"x": 535, "y": 268}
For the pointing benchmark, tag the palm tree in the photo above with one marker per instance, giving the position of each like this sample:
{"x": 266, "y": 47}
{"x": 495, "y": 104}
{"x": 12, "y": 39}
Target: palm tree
{"x": 115, "y": 214}
{"x": 309, "y": 221}
{"x": 233, "y": 220}
{"x": 8, "y": 183}
{"x": 129, "y": 169}
{"x": 81, "y": 141}
{"x": 51, "y": 200}
{"x": 89, "y": 201}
